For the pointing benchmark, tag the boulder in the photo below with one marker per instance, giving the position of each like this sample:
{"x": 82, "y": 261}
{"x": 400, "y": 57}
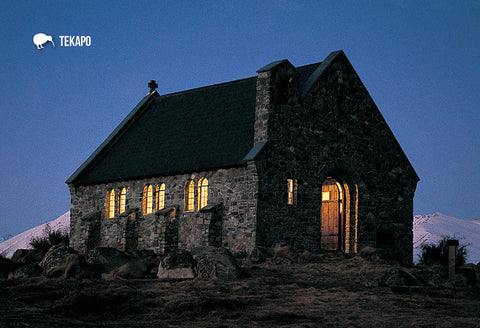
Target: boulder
{"x": 178, "y": 264}
{"x": 211, "y": 262}
{"x": 469, "y": 272}
{"x": 106, "y": 259}
{"x": 70, "y": 268}
{"x": 399, "y": 277}
{"x": 56, "y": 255}
{"x": 134, "y": 269}
{"x": 27, "y": 271}
{"x": 27, "y": 256}
{"x": 367, "y": 252}
{"x": 6, "y": 266}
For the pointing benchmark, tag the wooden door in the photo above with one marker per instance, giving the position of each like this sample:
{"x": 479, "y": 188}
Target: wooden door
{"x": 331, "y": 215}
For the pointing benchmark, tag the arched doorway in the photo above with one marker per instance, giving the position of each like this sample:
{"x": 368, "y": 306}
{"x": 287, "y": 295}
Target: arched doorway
{"x": 332, "y": 215}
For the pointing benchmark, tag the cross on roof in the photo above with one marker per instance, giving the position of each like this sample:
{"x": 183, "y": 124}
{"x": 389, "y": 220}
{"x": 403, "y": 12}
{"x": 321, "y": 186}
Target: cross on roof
{"x": 152, "y": 85}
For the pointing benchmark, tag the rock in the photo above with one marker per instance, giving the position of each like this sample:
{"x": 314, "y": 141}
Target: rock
{"x": 134, "y": 269}
{"x": 399, "y": 277}
{"x": 259, "y": 255}
{"x": 27, "y": 271}
{"x": 6, "y": 266}
{"x": 56, "y": 255}
{"x": 367, "y": 252}
{"x": 468, "y": 271}
{"x": 27, "y": 256}
{"x": 283, "y": 254}
{"x": 214, "y": 262}
{"x": 106, "y": 259}
{"x": 179, "y": 273}
{"x": 178, "y": 264}
{"x": 70, "y": 268}
{"x": 304, "y": 256}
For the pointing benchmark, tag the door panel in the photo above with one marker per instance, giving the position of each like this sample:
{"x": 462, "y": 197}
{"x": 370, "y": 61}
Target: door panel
{"x": 330, "y": 217}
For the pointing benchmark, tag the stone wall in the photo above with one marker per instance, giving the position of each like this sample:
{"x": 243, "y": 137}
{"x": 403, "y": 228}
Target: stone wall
{"x": 230, "y": 220}
{"x": 337, "y": 131}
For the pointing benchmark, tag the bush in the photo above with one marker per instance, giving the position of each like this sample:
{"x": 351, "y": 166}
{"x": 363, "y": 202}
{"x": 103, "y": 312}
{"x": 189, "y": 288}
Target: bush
{"x": 438, "y": 253}
{"x": 48, "y": 239}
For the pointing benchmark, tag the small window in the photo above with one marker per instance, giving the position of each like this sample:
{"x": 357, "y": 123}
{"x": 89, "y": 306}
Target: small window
{"x": 325, "y": 196}
{"x": 202, "y": 193}
{"x": 189, "y": 196}
{"x": 160, "y": 201}
{"x": 148, "y": 199}
{"x": 110, "y": 204}
{"x": 292, "y": 191}
{"x": 122, "y": 201}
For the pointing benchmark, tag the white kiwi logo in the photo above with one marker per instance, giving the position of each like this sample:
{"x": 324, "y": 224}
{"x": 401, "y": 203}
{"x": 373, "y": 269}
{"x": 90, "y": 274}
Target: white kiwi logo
{"x": 40, "y": 39}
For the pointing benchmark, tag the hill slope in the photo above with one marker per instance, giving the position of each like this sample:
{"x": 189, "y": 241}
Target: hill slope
{"x": 8, "y": 247}
{"x": 431, "y": 228}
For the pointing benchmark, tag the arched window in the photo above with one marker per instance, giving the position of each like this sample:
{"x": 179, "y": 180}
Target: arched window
{"x": 189, "y": 196}
{"x": 110, "y": 204}
{"x": 122, "y": 201}
{"x": 148, "y": 199}
{"x": 160, "y": 201}
{"x": 202, "y": 193}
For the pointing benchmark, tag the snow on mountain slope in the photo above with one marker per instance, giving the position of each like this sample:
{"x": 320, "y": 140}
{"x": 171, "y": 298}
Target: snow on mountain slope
{"x": 431, "y": 228}
{"x": 22, "y": 241}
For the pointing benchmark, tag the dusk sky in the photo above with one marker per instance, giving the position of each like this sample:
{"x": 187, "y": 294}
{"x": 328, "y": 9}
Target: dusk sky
{"x": 419, "y": 60}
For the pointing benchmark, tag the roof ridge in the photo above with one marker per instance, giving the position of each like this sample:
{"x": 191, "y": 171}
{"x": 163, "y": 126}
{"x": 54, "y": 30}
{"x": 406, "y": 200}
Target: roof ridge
{"x": 206, "y": 87}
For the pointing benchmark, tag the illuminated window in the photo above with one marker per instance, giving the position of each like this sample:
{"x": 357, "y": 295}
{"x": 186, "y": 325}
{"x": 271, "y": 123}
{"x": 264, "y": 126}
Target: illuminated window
{"x": 292, "y": 191}
{"x": 160, "y": 201}
{"x": 189, "y": 196}
{"x": 148, "y": 199}
{"x": 325, "y": 196}
{"x": 122, "y": 201}
{"x": 202, "y": 193}
{"x": 110, "y": 204}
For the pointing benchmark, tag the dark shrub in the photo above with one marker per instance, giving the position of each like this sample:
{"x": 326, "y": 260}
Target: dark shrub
{"x": 438, "y": 253}
{"x": 50, "y": 238}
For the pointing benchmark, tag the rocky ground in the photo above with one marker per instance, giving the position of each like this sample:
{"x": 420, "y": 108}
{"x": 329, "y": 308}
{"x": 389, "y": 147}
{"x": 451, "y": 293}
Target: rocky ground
{"x": 331, "y": 290}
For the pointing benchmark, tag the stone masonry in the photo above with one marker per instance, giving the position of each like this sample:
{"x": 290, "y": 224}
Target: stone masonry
{"x": 233, "y": 189}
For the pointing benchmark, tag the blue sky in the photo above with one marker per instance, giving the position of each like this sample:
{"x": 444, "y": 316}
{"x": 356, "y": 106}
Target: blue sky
{"x": 419, "y": 60}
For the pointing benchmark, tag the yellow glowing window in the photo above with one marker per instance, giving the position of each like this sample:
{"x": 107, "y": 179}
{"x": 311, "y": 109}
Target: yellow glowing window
{"x": 326, "y": 196}
{"x": 202, "y": 193}
{"x": 110, "y": 204}
{"x": 123, "y": 200}
{"x": 148, "y": 199}
{"x": 292, "y": 191}
{"x": 160, "y": 201}
{"x": 189, "y": 196}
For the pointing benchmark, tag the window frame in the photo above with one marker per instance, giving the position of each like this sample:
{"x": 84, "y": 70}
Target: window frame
{"x": 160, "y": 197}
{"x": 202, "y": 193}
{"x": 122, "y": 200}
{"x": 110, "y": 204}
{"x": 147, "y": 199}
{"x": 189, "y": 196}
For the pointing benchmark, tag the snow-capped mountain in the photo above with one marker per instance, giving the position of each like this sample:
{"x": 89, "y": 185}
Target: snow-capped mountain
{"x": 6, "y": 237}
{"x": 431, "y": 228}
{"x": 22, "y": 241}
{"x": 426, "y": 229}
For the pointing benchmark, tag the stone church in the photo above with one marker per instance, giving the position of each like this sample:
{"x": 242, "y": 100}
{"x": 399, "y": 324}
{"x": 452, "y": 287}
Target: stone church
{"x": 299, "y": 156}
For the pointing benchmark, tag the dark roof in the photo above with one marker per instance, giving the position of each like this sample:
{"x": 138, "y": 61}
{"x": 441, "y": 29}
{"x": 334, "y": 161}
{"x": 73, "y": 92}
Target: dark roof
{"x": 204, "y": 128}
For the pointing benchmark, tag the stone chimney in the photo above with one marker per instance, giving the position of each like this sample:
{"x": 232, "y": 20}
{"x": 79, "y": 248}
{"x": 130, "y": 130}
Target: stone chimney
{"x": 275, "y": 84}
